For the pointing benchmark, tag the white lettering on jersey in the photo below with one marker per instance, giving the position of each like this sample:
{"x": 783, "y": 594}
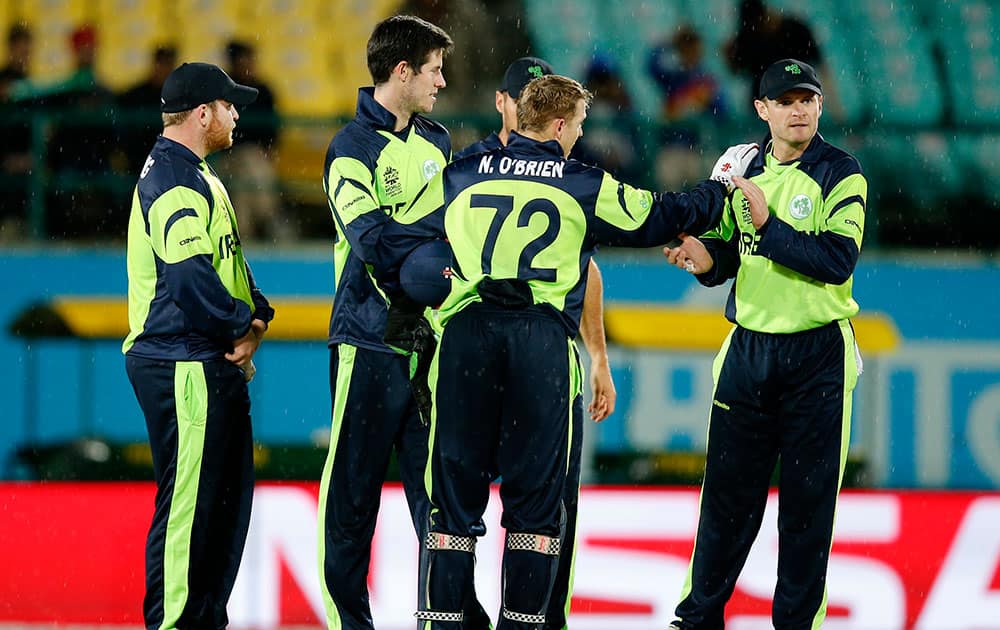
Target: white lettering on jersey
{"x": 486, "y": 164}
{"x": 145, "y": 168}
{"x": 528, "y": 168}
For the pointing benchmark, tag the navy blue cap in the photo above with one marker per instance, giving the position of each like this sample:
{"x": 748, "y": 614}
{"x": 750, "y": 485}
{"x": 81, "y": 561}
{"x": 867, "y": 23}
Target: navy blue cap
{"x": 788, "y": 74}
{"x": 192, "y": 84}
{"x": 521, "y": 72}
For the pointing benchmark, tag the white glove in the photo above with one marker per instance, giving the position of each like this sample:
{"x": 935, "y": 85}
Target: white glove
{"x": 734, "y": 161}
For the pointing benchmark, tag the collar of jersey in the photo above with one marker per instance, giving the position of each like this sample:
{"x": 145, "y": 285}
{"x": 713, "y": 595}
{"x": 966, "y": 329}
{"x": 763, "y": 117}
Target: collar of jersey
{"x": 527, "y": 147}
{"x": 176, "y": 148}
{"x": 813, "y": 153}
{"x": 371, "y": 112}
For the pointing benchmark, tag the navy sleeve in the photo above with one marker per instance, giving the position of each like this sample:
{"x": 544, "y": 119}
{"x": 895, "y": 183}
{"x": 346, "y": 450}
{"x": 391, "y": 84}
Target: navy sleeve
{"x": 827, "y": 256}
{"x": 195, "y": 288}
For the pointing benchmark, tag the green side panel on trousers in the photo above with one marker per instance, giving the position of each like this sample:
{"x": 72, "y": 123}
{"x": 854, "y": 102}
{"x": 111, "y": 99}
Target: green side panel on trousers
{"x": 345, "y": 369}
{"x": 191, "y": 401}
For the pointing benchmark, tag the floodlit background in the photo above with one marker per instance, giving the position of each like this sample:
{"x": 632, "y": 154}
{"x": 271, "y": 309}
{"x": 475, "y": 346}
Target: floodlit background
{"x": 912, "y": 89}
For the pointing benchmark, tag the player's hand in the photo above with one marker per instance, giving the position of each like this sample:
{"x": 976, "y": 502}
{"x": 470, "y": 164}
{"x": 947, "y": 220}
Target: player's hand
{"x": 602, "y": 387}
{"x": 243, "y": 349}
{"x": 759, "y": 213}
{"x": 734, "y": 161}
{"x": 690, "y": 255}
{"x": 249, "y": 371}
{"x": 405, "y": 325}
{"x": 259, "y": 327}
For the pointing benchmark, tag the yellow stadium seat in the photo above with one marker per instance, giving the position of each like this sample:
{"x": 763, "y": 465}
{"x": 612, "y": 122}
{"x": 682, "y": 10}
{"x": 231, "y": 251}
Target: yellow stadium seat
{"x": 52, "y": 22}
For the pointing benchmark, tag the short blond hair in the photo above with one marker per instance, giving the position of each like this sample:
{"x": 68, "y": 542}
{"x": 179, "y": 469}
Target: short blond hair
{"x": 547, "y": 98}
{"x": 175, "y": 118}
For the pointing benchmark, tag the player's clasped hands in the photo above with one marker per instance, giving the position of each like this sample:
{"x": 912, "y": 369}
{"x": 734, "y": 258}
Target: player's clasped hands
{"x": 755, "y": 197}
{"x": 734, "y": 161}
{"x": 690, "y": 255}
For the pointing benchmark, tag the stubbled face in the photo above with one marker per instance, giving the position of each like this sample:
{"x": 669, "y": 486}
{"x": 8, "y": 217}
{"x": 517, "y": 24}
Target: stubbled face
{"x": 793, "y": 117}
{"x": 573, "y": 128}
{"x": 219, "y": 134}
{"x": 421, "y": 88}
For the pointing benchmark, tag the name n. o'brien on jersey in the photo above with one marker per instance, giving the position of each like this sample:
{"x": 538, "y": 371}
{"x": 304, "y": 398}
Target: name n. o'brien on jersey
{"x": 531, "y": 168}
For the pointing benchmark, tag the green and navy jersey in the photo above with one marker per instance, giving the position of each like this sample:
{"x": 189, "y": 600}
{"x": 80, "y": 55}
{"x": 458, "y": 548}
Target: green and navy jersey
{"x": 190, "y": 290}
{"x": 371, "y": 173}
{"x": 524, "y": 212}
{"x": 488, "y": 143}
{"x": 795, "y": 273}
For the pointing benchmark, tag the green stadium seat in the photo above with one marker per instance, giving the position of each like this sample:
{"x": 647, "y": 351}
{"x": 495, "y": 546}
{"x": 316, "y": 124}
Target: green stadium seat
{"x": 897, "y": 67}
{"x": 565, "y": 32}
{"x": 976, "y": 155}
{"x": 967, "y": 37}
{"x": 834, "y": 33}
{"x": 716, "y": 21}
{"x": 636, "y": 27}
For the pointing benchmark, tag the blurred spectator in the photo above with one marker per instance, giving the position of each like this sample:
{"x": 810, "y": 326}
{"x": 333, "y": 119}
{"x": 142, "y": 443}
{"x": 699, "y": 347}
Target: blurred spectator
{"x": 80, "y": 147}
{"x": 140, "y": 105}
{"x": 609, "y": 140}
{"x": 689, "y": 89}
{"x": 15, "y": 150}
{"x": 764, "y": 36}
{"x": 691, "y": 94}
{"x": 247, "y": 168}
{"x": 19, "y": 47}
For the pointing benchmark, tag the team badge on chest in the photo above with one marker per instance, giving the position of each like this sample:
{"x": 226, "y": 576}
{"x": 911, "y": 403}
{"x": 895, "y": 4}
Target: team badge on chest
{"x": 431, "y": 168}
{"x": 800, "y": 207}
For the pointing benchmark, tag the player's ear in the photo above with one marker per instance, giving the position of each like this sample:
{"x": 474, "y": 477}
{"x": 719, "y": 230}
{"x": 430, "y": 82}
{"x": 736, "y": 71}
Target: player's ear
{"x": 820, "y": 97}
{"x": 499, "y": 102}
{"x": 403, "y": 71}
{"x": 761, "y": 108}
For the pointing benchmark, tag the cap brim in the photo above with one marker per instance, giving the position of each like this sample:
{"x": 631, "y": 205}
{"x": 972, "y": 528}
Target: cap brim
{"x": 804, "y": 86}
{"x": 242, "y": 95}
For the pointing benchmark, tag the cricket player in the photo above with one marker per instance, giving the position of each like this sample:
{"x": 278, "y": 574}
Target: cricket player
{"x": 790, "y": 237}
{"x": 523, "y": 222}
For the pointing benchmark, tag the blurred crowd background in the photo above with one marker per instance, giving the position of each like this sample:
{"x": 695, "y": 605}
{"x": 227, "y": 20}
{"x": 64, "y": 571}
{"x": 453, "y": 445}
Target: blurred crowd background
{"x": 912, "y": 88}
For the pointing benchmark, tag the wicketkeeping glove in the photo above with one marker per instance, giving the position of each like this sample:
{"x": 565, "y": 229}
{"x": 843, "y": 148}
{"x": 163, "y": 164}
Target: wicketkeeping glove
{"x": 734, "y": 161}
{"x": 405, "y": 324}
{"x": 409, "y": 332}
{"x": 418, "y": 381}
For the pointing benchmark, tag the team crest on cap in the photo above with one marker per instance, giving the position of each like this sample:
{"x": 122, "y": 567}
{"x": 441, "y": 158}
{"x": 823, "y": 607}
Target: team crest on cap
{"x": 431, "y": 168}
{"x": 793, "y": 68}
{"x": 800, "y": 207}
{"x": 535, "y": 71}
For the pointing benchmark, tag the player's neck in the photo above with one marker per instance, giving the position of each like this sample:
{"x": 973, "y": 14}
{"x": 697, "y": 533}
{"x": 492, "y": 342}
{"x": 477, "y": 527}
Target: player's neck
{"x": 388, "y": 97}
{"x": 187, "y": 136}
{"x": 785, "y": 152}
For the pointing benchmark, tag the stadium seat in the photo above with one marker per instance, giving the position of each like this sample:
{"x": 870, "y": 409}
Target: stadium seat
{"x": 976, "y": 155}
{"x": 127, "y": 37}
{"x": 648, "y": 23}
{"x": 716, "y": 21}
{"x": 204, "y": 39}
{"x": 833, "y": 30}
{"x": 565, "y": 32}
{"x": 51, "y": 22}
{"x": 897, "y": 66}
{"x": 966, "y": 36}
